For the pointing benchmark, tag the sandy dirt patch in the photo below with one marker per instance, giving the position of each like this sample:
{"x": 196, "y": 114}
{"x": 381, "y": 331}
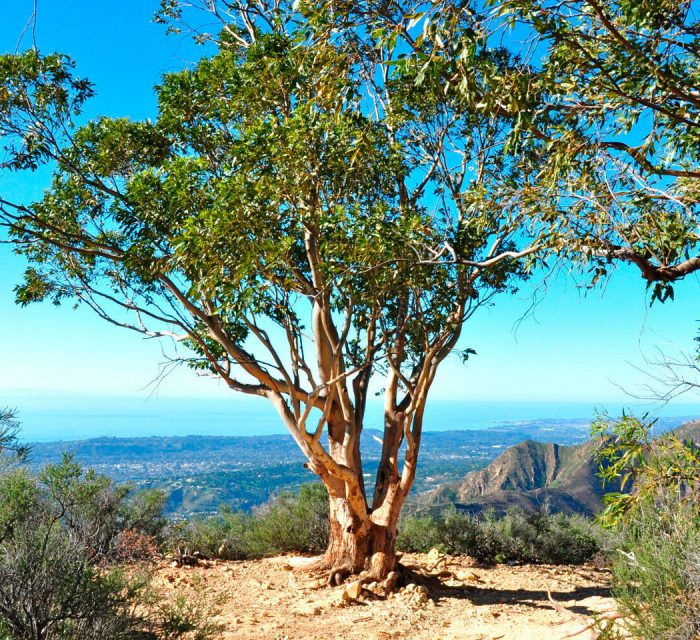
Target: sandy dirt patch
{"x": 273, "y": 599}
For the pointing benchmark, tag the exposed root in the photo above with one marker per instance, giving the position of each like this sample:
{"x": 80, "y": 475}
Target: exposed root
{"x": 337, "y": 575}
{"x": 318, "y": 564}
{"x": 589, "y": 627}
{"x": 325, "y": 573}
{"x": 333, "y": 574}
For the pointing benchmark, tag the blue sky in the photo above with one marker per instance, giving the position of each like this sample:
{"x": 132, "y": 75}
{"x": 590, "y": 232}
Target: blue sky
{"x": 574, "y": 348}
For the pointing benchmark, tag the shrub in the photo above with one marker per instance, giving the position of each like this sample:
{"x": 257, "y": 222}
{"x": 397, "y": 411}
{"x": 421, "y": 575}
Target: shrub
{"x": 59, "y": 530}
{"x": 516, "y": 537}
{"x": 95, "y": 510}
{"x": 186, "y": 616}
{"x": 656, "y": 576}
{"x": 656, "y": 573}
{"x": 460, "y": 533}
{"x": 223, "y": 536}
{"x": 133, "y": 546}
{"x": 417, "y": 534}
{"x": 49, "y": 585}
{"x": 538, "y": 537}
{"x": 60, "y": 533}
{"x": 291, "y": 522}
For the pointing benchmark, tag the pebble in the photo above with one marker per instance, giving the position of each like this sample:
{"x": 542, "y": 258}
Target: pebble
{"x": 353, "y": 591}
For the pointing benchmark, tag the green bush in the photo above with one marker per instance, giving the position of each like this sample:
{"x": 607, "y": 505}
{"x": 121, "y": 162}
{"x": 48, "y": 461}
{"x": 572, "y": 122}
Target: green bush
{"x": 49, "y": 583}
{"x": 516, "y": 537}
{"x": 49, "y": 589}
{"x": 538, "y": 537}
{"x": 417, "y": 534}
{"x": 656, "y": 572}
{"x": 60, "y": 531}
{"x": 95, "y": 510}
{"x": 223, "y": 536}
{"x": 291, "y": 522}
{"x": 656, "y": 575}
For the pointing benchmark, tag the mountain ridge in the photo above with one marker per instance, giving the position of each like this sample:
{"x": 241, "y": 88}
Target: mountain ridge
{"x": 535, "y": 475}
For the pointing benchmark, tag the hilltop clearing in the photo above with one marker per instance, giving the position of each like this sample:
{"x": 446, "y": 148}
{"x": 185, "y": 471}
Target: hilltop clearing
{"x": 274, "y": 599}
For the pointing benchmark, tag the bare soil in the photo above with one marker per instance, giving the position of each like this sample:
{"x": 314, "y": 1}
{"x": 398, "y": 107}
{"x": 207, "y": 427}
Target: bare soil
{"x": 276, "y": 599}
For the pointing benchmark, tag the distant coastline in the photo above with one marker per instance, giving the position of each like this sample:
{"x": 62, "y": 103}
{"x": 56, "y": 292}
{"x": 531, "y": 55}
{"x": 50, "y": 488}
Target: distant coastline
{"x": 56, "y": 417}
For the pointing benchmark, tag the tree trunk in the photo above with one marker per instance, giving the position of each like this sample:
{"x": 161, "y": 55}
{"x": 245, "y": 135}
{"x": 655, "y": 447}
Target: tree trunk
{"x": 357, "y": 544}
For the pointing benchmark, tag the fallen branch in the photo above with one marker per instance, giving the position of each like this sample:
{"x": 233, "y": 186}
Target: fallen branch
{"x": 589, "y": 626}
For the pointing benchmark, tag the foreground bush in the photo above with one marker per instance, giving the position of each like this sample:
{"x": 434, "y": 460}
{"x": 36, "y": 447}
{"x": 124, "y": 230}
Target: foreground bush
{"x": 516, "y": 537}
{"x": 656, "y": 576}
{"x": 656, "y": 573}
{"x": 60, "y": 532}
{"x": 291, "y": 522}
{"x": 50, "y": 589}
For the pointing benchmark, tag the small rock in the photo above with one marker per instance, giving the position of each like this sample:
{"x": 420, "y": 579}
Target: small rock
{"x": 434, "y": 554}
{"x": 422, "y": 589}
{"x": 310, "y": 611}
{"x": 353, "y": 590}
{"x": 390, "y": 581}
{"x": 173, "y": 564}
{"x": 468, "y": 576}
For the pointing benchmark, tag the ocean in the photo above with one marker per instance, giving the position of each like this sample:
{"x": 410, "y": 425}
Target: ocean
{"x": 57, "y": 417}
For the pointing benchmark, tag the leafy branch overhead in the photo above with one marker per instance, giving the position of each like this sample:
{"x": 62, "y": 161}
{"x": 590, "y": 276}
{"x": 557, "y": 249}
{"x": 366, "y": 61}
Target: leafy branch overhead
{"x": 608, "y": 116}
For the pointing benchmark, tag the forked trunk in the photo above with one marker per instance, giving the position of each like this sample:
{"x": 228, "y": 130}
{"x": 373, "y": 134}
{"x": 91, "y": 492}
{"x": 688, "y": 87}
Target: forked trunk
{"x": 357, "y": 544}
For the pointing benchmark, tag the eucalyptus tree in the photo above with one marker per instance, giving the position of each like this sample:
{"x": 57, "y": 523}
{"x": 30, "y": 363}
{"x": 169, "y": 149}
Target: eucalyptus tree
{"x": 308, "y": 213}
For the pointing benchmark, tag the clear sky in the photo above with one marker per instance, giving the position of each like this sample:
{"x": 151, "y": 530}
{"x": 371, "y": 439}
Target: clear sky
{"x": 574, "y": 348}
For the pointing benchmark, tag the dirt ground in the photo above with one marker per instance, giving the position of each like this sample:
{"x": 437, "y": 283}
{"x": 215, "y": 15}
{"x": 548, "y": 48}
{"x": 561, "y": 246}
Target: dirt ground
{"x": 275, "y": 599}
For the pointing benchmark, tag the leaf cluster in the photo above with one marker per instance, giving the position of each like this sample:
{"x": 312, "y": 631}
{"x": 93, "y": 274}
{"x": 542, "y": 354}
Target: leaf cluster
{"x": 651, "y": 469}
